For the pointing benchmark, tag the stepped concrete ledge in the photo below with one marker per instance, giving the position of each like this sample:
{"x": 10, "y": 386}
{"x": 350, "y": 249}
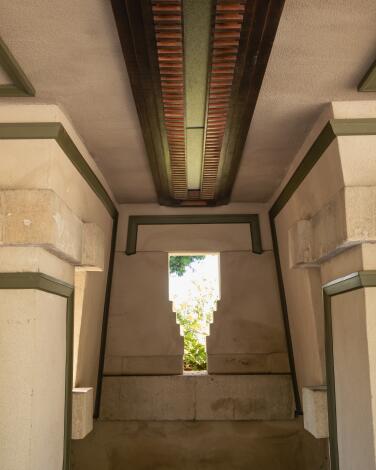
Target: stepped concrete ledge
{"x": 197, "y": 397}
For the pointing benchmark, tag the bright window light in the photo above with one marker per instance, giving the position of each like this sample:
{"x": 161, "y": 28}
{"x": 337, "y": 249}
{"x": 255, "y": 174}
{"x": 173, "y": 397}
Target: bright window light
{"x": 194, "y": 291}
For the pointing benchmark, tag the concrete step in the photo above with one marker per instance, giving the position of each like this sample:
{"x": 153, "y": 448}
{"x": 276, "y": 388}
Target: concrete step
{"x": 197, "y": 397}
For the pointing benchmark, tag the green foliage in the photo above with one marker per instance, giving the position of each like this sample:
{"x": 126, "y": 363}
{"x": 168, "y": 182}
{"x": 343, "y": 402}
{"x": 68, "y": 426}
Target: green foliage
{"x": 194, "y": 350}
{"x": 194, "y": 317}
{"x": 178, "y": 264}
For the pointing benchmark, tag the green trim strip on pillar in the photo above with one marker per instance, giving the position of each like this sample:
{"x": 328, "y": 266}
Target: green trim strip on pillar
{"x": 20, "y": 85}
{"x": 45, "y": 283}
{"x": 368, "y": 83}
{"x": 354, "y": 281}
{"x": 333, "y": 129}
{"x": 106, "y": 312}
{"x": 57, "y": 132}
{"x": 135, "y": 220}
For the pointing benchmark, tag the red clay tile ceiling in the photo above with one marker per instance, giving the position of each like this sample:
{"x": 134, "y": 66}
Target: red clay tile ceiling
{"x": 196, "y": 68}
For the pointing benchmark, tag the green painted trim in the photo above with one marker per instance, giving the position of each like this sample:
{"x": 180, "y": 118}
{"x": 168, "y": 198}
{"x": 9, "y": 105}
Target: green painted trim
{"x": 260, "y": 24}
{"x": 21, "y": 85}
{"x": 368, "y": 82}
{"x": 45, "y": 283}
{"x": 106, "y": 312}
{"x": 56, "y": 131}
{"x": 334, "y": 128}
{"x": 135, "y": 220}
{"x": 354, "y": 281}
{"x": 285, "y": 318}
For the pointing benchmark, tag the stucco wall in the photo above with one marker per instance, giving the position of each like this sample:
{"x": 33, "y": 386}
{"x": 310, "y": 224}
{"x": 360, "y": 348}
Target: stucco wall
{"x": 143, "y": 336}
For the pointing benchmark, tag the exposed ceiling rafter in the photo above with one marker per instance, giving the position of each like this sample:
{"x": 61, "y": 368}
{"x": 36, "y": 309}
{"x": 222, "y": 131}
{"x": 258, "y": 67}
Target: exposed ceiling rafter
{"x": 152, "y": 37}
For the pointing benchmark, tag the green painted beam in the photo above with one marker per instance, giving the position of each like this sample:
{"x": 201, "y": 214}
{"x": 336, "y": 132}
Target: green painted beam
{"x": 135, "y": 220}
{"x": 194, "y": 157}
{"x": 197, "y": 28}
{"x": 20, "y": 85}
{"x": 368, "y": 82}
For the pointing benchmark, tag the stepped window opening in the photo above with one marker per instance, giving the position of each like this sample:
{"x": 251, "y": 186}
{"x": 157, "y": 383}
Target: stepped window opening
{"x": 194, "y": 289}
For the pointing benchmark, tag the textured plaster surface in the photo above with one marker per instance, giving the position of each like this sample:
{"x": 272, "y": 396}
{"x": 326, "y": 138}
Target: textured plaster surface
{"x": 72, "y": 55}
{"x": 315, "y": 408}
{"x": 247, "y": 322}
{"x": 142, "y": 324}
{"x": 354, "y": 326}
{"x": 321, "y": 51}
{"x": 32, "y": 374}
{"x": 82, "y": 412}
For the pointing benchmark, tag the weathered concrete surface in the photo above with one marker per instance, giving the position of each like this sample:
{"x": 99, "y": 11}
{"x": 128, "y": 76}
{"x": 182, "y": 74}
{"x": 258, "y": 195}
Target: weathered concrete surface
{"x": 198, "y": 397}
{"x": 199, "y": 446}
{"x": 32, "y": 377}
{"x": 247, "y": 335}
{"x": 315, "y": 408}
{"x": 346, "y": 220}
{"x": 354, "y": 351}
{"x": 255, "y": 363}
{"x": 143, "y": 336}
{"x": 82, "y": 412}
{"x": 40, "y": 218}
{"x": 93, "y": 248}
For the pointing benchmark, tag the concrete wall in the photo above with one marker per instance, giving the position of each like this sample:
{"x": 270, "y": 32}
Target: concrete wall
{"x": 247, "y": 335}
{"x": 198, "y": 397}
{"x": 199, "y": 446}
{"x": 143, "y": 337}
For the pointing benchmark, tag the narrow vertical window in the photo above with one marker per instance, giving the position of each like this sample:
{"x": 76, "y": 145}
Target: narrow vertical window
{"x": 194, "y": 291}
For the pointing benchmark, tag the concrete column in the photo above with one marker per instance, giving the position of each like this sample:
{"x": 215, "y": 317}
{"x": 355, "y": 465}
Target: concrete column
{"x": 55, "y": 217}
{"x": 35, "y": 355}
{"x": 326, "y": 234}
{"x": 351, "y": 356}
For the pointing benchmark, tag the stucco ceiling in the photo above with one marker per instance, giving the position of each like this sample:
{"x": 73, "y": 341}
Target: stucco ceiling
{"x": 71, "y": 53}
{"x": 321, "y": 51}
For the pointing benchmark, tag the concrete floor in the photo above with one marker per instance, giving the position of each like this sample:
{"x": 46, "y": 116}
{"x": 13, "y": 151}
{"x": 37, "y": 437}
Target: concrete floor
{"x": 186, "y": 445}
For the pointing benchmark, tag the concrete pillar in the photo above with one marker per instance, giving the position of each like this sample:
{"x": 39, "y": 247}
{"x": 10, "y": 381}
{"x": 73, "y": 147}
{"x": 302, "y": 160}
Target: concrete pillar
{"x": 55, "y": 218}
{"x": 326, "y": 234}
{"x": 35, "y": 355}
{"x": 350, "y": 303}
{"x": 42, "y": 242}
